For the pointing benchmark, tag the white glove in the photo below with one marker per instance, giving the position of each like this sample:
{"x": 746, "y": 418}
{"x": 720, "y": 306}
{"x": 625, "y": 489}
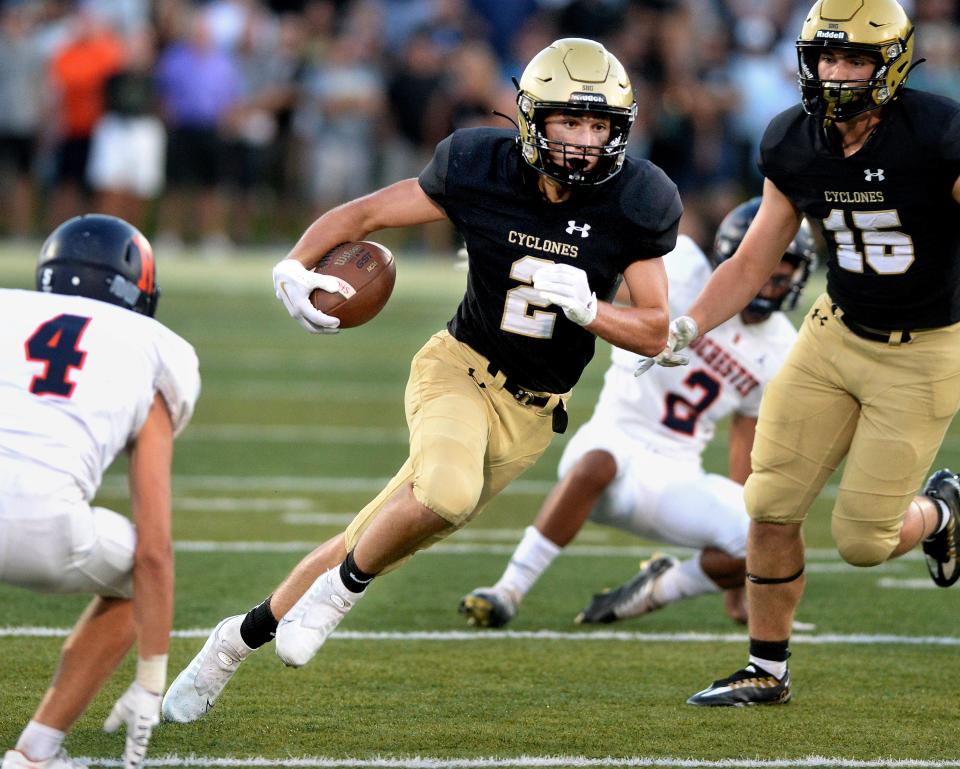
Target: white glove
{"x": 463, "y": 260}
{"x": 683, "y": 330}
{"x": 293, "y": 284}
{"x": 139, "y": 710}
{"x": 566, "y": 286}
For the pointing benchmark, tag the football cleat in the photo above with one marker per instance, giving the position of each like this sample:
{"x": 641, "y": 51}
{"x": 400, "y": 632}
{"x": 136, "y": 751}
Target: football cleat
{"x": 489, "y": 606}
{"x": 631, "y": 599}
{"x": 14, "y": 759}
{"x": 311, "y": 620}
{"x": 750, "y": 686}
{"x": 198, "y": 686}
{"x": 941, "y": 549}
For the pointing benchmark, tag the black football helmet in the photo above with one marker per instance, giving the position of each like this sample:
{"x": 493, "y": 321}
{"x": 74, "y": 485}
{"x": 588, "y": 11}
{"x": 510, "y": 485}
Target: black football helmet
{"x": 879, "y": 29}
{"x": 801, "y": 253}
{"x": 100, "y": 257}
{"x": 575, "y": 75}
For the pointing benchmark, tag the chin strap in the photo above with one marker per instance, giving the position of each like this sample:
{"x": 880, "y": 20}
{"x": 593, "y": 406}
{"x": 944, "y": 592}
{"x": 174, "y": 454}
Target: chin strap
{"x": 774, "y": 580}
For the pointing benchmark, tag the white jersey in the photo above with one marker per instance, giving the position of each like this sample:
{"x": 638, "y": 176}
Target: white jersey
{"x": 675, "y": 410}
{"x": 77, "y": 380}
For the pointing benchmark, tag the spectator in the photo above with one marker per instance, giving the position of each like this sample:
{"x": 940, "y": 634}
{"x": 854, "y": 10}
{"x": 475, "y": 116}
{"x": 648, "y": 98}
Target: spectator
{"x": 416, "y": 80}
{"x": 344, "y": 101}
{"x": 79, "y": 71}
{"x": 21, "y": 79}
{"x": 273, "y": 60}
{"x": 198, "y": 85}
{"x": 473, "y": 90}
{"x": 126, "y": 166}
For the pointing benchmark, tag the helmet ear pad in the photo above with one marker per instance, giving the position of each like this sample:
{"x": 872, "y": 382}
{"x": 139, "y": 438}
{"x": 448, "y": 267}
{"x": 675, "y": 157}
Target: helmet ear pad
{"x": 100, "y": 257}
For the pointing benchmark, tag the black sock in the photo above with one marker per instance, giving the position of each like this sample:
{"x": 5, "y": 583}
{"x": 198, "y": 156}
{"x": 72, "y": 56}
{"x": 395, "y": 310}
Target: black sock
{"x": 353, "y": 578}
{"x": 259, "y": 626}
{"x": 776, "y": 651}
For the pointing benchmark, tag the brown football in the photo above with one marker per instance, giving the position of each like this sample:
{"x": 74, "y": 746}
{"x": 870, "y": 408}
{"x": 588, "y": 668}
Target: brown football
{"x": 366, "y": 272}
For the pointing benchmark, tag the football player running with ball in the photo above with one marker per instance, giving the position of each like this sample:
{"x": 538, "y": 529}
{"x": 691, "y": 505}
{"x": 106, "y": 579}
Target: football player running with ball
{"x": 637, "y": 463}
{"x": 86, "y": 372}
{"x": 552, "y": 219}
{"x": 875, "y": 373}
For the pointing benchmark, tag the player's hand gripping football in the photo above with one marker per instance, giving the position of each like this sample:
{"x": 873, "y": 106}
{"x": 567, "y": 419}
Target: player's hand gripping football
{"x": 293, "y": 284}
{"x": 683, "y": 330}
{"x": 566, "y": 286}
{"x": 139, "y": 710}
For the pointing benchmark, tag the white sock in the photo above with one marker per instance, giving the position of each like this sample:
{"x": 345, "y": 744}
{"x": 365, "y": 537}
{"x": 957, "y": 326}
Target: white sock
{"x": 779, "y": 669}
{"x": 683, "y": 581}
{"x": 39, "y": 742}
{"x": 531, "y": 558}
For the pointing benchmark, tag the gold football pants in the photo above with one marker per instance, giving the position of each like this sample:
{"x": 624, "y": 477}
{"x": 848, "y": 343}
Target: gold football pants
{"x": 884, "y": 406}
{"x": 469, "y": 438}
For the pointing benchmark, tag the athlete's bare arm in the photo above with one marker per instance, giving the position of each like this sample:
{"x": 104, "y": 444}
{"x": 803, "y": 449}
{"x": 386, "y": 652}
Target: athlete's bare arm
{"x": 151, "y": 458}
{"x": 401, "y": 204}
{"x": 735, "y": 282}
{"x": 641, "y": 326}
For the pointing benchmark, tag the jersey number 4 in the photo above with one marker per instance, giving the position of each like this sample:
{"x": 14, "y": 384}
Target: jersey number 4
{"x": 55, "y": 343}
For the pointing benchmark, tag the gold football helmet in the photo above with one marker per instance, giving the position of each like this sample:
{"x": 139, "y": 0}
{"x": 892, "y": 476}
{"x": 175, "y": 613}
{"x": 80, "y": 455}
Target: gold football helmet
{"x": 577, "y": 76}
{"x": 879, "y": 28}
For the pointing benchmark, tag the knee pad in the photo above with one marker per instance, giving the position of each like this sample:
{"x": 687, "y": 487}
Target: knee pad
{"x": 863, "y": 543}
{"x": 451, "y": 491}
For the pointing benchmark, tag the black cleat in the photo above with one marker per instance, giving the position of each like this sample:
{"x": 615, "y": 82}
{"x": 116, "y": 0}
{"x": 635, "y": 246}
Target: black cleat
{"x": 941, "y": 548}
{"x": 631, "y": 599}
{"x": 749, "y": 686}
{"x": 489, "y": 607}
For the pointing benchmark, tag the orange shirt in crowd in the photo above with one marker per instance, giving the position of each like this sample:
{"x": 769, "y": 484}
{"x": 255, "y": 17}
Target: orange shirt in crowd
{"x": 80, "y": 71}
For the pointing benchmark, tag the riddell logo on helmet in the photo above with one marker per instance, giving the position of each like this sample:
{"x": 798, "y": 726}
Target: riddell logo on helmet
{"x": 593, "y": 98}
{"x": 829, "y": 34}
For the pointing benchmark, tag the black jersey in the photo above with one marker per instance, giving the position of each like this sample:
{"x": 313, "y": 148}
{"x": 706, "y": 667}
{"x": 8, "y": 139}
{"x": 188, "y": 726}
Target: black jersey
{"x": 886, "y": 212}
{"x": 480, "y": 180}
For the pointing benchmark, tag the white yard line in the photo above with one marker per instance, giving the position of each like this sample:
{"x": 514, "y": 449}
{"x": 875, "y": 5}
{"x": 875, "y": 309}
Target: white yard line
{"x": 523, "y": 762}
{"x": 458, "y": 636}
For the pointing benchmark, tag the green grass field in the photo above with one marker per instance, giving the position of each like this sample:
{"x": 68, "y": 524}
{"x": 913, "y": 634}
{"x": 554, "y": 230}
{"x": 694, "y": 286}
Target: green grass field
{"x": 295, "y": 433}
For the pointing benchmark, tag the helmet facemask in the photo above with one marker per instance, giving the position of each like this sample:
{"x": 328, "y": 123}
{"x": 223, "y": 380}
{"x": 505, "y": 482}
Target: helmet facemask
{"x": 537, "y": 148}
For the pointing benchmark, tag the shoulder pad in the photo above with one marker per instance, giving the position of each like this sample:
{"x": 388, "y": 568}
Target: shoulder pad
{"x": 649, "y": 198}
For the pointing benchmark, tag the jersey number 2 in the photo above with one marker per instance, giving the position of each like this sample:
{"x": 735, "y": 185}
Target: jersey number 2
{"x": 682, "y": 414}
{"x": 55, "y": 344}
{"x": 517, "y": 317}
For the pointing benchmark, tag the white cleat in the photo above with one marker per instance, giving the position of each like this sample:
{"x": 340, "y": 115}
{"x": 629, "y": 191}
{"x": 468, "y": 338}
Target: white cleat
{"x": 198, "y": 686}
{"x": 14, "y": 759}
{"x": 313, "y": 618}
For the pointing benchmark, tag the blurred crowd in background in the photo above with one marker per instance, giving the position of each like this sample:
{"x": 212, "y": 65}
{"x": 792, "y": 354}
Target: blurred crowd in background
{"x": 228, "y": 123}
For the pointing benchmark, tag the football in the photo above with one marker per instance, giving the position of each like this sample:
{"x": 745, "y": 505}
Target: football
{"x": 366, "y": 272}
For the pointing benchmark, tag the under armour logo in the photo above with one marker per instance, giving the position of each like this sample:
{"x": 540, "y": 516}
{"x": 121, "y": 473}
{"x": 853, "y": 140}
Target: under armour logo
{"x": 817, "y": 316}
{"x": 873, "y": 175}
{"x": 572, "y": 228}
